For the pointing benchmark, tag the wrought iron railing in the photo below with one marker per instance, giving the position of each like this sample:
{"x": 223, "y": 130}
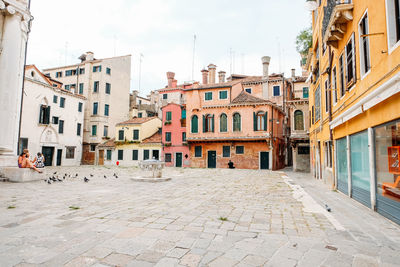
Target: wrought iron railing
{"x": 328, "y": 10}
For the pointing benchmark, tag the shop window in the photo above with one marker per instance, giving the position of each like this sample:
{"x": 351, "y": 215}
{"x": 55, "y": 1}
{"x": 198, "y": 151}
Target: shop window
{"x": 328, "y": 154}
{"x": 341, "y": 164}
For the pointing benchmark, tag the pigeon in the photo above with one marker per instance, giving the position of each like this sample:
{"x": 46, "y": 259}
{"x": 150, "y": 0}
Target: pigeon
{"x": 116, "y": 176}
{"x": 64, "y": 178}
{"x": 59, "y": 180}
{"x": 105, "y": 177}
{"x": 91, "y": 175}
{"x": 86, "y": 180}
{"x": 55, "y": 173}
{"x": 327, "y": 208}
{"x": 48, "y": 181}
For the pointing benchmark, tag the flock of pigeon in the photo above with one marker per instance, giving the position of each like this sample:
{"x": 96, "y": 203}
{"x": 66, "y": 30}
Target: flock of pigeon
{"x": 56, "y": 178}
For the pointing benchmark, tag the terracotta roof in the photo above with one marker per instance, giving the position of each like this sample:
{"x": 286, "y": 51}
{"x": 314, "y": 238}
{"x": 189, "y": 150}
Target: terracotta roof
{"x": 245, "y": 97}
{"x": 136, "y": 120}
{"x": 108, "y": 143}
{"x": 155, "y": 138}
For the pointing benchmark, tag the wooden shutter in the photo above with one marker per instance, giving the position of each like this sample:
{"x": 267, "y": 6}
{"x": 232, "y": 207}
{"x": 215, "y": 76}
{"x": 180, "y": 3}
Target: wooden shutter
{"x": 204, "y": 123}
{"x": 47, "y": 115}
{"x": 212, "y": 123}
{"x": 266, "y": 121}
{"x": 254, "y": 121}
{"x": 41, "y": 114}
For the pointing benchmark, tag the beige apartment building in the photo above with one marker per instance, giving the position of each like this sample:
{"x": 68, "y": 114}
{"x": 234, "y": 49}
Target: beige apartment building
{"x": 106, "y": 85}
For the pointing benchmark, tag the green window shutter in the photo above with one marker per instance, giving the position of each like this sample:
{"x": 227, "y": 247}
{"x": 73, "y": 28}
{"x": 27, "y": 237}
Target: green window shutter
{"x": 204, "y": 124}
{"x": 266, "y": 121}
{"x": 212, "y": 123}
{"x": 254, "y": 121}
{"x": 41, "y": 114}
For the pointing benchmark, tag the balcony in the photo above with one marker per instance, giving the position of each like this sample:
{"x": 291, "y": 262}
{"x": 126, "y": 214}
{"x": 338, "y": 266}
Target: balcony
{"x": 336, "y": 15}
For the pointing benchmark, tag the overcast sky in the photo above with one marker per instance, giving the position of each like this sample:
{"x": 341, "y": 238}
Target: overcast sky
{"x": 163, "y": 31}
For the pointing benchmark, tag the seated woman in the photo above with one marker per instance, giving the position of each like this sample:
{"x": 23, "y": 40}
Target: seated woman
{"x": 39, "y": 160}
{"x": 24, "y": 162}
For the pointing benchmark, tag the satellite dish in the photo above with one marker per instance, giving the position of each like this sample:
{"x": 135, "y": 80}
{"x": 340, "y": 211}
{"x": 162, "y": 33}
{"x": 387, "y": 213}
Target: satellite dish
{"x": 311, "y": 5}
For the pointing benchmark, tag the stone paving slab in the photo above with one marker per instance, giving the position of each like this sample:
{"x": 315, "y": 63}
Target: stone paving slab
{"x": 199, "y": 218}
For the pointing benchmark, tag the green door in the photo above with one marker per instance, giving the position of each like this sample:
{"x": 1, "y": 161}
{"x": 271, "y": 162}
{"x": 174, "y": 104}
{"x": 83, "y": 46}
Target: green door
{"x": 212, "y": 159}
{"x": 178, "y": 160}
{"x": 264, "y": 160}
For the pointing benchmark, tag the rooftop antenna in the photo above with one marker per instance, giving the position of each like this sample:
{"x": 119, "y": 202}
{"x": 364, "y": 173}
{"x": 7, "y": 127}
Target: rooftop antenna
{"x": 194, "y": 50}
{"x": 141, "y": 56}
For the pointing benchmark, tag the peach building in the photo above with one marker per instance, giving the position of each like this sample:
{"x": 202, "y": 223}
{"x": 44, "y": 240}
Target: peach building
{"x": 237, "y": 120}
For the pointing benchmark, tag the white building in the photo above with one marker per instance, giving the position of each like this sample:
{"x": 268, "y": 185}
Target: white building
{"x": 106, "y": 85}
{"x": 52, "y": 120}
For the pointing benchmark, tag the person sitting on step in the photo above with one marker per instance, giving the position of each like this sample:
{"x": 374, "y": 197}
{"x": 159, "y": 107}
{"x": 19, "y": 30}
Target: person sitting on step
{"x": 24, "y": 162}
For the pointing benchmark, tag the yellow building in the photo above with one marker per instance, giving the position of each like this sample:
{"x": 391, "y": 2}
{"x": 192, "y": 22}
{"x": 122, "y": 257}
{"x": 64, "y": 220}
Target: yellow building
{"x": 136, "y": 139}
{"x": 355, "y": 100}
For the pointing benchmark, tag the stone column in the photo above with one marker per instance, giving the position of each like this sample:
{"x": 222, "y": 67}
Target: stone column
{"x": 15, "y": 21}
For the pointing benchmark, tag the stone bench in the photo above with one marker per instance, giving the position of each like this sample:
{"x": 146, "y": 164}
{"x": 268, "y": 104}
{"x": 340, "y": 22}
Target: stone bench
{"x": 21, "y": 175}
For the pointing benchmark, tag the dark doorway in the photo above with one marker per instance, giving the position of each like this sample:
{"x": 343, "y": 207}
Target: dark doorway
{"x": 48, "y": 153}
{"x": 59, "y": 157}
{"x": 264, "y": 160}
{"x": 212, "y": 159}
{"x": 101, "y": 157}
{"x": 156, "y": 154}
{"x": 178, "y": 160}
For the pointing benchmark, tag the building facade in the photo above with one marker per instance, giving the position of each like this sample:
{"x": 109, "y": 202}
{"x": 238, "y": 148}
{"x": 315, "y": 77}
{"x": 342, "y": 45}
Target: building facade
{"x": 141, "y": 107}
{"x": 51, "y": 121}
{"x": 106, "y": 85}
{"x": 135, "y": 140}
{"x": 355, "y": 100}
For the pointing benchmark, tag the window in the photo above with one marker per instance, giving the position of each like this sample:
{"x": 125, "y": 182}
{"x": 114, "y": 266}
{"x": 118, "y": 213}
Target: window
{"x": 135, "y": 134}
{"x": 168, "y": 115}
{"x": 55, "y": 120}
{"x": 350, "y": 63}
{"x": 327, "y": 95}
{"x": 105, "y": 132}
{"x": 55, "y": 99}
{"x": 342, "y": 75}
{"x": 108, "y": 71}
{"x": 95, "y": 108}
{"x": 303, "y": 150}
{"x": 60, "y": 126}
{"x": 277, "y": 90}
{"x": 80, "y": 105}
{"x": 223, "y": 94}
{"x": 364, "y": 45}
{"x": 248, "y": 90}
{"x": 317, "y": 102}
{"x": 67, "y": 87}
{"x": 197, "y": 151}
{"x": 94, "y": 130}
{"x": 260, "y": 121}
{"x": 208, "y": 96}
{"x": 73, "y": 86}
{"x": 120, "y": 154}
{"x": 226, "y": 151}
{"x": 312, "y": 115}
{"x": 97, "y": 68}
{"x": 305, "y": 92}
{"x": 44, "y": 116}
{"x": 92, "y": 148}
{"x": 195, "y": 124}
{"x": 208, "y": 123}
{"x": 108, "y": 88}
{"x": 106, "y": 110}
{"x": 82, "y": 71}
{"x": 168, "y": 137}
{"x": 108, "y": 154}
{"x": 78, "y": 129}
{"x": 146, "y": 154}
{"x": 298, "y": 120}
{"x": 183, "y": 113}
{"x": 81, "y": 88}
{"x": 165, "y": 96}
{"x": 168, "y": 157}
{"x": 140, "y": 115}
{"x": 70, "y": 152}
{"x": 334, "y": 86}
{"x": 239, "y": 150}
{"x": 183, "y": 137}
{"x": 236, "y": 122}
{"x": 96, "y": 87}
{"x": 393, "y": 15}
{"x": 121, "y": 135}
{"x": 223, "y": 123}
{"x": 58, "y": 74}
{"x": 135, "y": 154}
{"x": 70, "y": 72}
{"x": 62, "y": 102}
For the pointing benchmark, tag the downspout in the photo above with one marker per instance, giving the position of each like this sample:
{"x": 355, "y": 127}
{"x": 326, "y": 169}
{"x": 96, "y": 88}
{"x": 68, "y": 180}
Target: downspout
{"x": 330, "y": 112}
{"x": 23, "y": 77}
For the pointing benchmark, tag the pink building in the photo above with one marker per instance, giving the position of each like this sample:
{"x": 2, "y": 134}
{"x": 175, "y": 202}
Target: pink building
{"x": 175, "y": 148}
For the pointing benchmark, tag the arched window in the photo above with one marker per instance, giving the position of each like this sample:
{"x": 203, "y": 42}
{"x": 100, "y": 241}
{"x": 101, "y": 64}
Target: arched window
{"x": 298, "y": 120}
{"x": 236, "y": 122}
{"x": 195, "y": 124}
{"x": 260, "y": 121}
{"x": 208, "y": 123}
{"x": 223, "y": 123}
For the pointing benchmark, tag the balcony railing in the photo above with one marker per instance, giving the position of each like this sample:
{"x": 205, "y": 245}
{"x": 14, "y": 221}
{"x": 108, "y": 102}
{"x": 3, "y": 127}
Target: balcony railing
{"x": 336, "y": 13}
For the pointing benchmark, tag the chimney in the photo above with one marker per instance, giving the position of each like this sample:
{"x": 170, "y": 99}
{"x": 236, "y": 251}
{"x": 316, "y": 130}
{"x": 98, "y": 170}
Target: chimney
{"x": 221, "y": 76}
{"x": 89, "y": 56}
{"x": 174, "y": 83}
{"x": 170, "y": 77}
{"x": 211, "y": 73}
{"x": 204, "y": 73}
{"x": 293, "y": 73}
{"x": 265, "y": 61}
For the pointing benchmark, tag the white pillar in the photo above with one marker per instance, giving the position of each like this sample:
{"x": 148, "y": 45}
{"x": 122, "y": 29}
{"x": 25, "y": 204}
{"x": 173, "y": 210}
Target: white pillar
{"x": 12, "y": 60}
{"x": 349, "y": 185}
{"x": 372, "y": 173}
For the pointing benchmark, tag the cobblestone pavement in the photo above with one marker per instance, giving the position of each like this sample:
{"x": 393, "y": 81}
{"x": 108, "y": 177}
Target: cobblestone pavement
{"x": 201, "y": 217}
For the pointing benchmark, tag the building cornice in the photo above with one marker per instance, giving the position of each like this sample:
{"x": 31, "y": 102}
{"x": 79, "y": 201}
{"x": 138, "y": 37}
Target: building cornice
{"x": 55, "y": 89}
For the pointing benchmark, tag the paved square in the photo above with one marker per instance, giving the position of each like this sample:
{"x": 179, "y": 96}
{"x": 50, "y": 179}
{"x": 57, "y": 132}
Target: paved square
{"x": 201, "y": 217}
